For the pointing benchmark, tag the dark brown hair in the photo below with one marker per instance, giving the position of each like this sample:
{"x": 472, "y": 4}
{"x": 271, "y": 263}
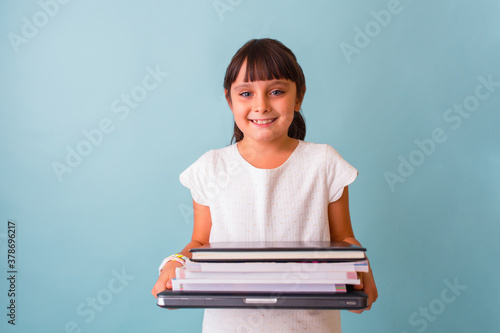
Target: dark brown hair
{"x": 268, "y": 59}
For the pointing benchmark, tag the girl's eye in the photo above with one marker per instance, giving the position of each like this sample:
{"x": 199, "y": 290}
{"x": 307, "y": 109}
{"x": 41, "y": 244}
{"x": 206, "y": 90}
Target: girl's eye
{"x": 245, "y": 94}
{"x": 277, "y": 92}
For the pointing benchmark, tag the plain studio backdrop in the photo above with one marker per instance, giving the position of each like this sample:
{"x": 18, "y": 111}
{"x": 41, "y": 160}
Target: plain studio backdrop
{"x": 104, "y": 103}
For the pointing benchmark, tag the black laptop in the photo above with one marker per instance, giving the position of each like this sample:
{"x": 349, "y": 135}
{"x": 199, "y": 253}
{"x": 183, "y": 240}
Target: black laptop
{"x": 349, "y": 300}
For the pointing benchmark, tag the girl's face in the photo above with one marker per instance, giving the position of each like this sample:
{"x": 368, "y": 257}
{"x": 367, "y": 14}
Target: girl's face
{"x": 263, "y": 110}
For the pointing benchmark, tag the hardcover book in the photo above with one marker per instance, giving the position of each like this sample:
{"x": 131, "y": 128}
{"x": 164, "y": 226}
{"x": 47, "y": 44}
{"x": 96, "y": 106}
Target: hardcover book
{"x": 277, "y": 251}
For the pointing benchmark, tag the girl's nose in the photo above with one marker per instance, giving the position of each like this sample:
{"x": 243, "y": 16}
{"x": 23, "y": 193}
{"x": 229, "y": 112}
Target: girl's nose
{"x": 261, "y": 103}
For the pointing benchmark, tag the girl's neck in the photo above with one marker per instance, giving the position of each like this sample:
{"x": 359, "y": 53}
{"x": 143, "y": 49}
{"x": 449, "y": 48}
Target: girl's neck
{"x": 267, "y": 155}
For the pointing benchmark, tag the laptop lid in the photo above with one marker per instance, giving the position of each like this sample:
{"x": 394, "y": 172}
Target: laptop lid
{"x": 349, "y": 300}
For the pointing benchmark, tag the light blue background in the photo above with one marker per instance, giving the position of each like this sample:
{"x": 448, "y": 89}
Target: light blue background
{"x": 122, "y": 210}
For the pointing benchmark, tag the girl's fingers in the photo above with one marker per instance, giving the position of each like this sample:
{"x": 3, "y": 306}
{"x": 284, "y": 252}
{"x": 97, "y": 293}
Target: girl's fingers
{"x": 156, "y": 290}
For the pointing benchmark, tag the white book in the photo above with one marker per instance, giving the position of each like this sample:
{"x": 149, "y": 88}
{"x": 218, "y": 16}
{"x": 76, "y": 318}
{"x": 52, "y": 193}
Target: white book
{"x": 351, "y": 266}
{"x": 183, "y": 273}
{"x": 251, "y": 286}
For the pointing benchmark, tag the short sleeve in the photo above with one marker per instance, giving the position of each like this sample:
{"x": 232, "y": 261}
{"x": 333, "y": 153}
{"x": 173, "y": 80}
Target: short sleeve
{"x": 339, "y": 173}
{"x": 195, "y": 179}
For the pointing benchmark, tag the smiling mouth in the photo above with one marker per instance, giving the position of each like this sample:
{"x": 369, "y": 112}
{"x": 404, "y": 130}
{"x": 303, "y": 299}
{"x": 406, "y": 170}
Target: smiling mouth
{"x": 262, "y": 121}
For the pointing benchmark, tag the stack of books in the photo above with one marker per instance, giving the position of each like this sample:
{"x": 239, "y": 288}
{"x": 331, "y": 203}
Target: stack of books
{"x": 275, "y": 267}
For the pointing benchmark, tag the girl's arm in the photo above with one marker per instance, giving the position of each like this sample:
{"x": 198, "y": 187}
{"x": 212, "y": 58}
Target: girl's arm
{"x": 201, "y": 236}
{"x": 341, "y": 230}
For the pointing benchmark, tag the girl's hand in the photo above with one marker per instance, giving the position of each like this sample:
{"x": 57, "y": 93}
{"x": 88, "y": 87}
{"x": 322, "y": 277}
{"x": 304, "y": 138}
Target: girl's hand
{"x": 367, "y": 284}
{"x": 165, "y": 279}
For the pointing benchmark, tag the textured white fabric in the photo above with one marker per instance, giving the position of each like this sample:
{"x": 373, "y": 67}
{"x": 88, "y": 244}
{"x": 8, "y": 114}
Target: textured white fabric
{"x": 288, "y": 203}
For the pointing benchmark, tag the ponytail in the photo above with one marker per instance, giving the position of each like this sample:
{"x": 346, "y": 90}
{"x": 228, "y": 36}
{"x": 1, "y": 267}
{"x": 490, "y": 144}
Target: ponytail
{"x": 297, "y": 129}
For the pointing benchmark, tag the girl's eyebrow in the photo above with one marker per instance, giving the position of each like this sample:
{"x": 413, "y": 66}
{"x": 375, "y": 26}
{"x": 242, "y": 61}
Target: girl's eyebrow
{"x": 242, "y": 85}
{"x": 272, "y": 82}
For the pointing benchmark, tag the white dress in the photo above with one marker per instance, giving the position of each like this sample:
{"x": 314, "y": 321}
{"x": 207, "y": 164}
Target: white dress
{"x": 288, "y": 203}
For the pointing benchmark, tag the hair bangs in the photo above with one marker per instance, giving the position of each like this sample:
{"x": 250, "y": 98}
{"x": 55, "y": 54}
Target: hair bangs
{"x": 266, "y": 59}
{"x": 265, "y": 64}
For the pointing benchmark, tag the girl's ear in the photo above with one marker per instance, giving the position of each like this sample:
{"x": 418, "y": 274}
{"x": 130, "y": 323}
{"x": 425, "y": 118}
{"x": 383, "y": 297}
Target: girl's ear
{"x": 298, "y": 103}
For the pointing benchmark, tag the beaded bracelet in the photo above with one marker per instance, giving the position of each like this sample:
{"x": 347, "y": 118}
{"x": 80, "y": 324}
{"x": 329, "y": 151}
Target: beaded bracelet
{"x": 174, "y": 257}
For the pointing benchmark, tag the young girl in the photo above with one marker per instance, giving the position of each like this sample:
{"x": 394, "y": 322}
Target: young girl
{"x": 268, "y": 186}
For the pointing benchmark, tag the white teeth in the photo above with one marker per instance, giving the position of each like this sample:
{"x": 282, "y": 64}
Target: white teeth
{"x": 263, "y": 122}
